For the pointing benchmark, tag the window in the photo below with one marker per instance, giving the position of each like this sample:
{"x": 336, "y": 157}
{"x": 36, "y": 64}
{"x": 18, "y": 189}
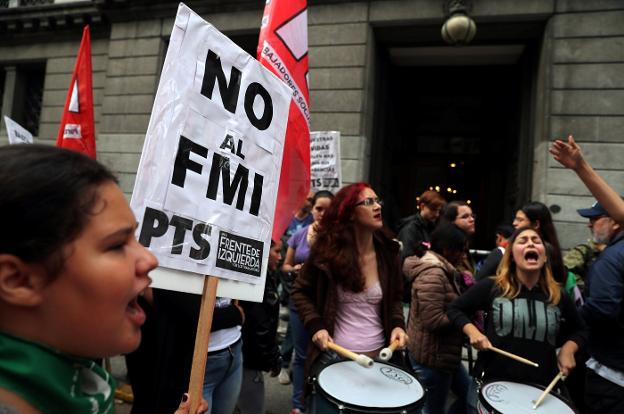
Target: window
{"x": 21, "y": 91}
{"x": 30, "y": 83}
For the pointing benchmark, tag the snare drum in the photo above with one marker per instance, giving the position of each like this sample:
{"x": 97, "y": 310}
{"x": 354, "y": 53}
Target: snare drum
{"x": 346, "y": 387}
{"x": 505, "y": 397}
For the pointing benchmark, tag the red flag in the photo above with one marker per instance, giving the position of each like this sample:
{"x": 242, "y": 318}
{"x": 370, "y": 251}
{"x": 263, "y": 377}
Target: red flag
{"x": 77, "y": 130}
{"x": 283, "y": 48}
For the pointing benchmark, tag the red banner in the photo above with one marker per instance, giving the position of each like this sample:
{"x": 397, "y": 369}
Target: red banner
{"x": 77, "y": 130}
{"x": 283, "y": 49}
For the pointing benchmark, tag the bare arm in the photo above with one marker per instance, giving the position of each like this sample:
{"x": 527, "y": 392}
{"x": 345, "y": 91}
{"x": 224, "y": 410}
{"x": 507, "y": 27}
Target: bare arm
{"x": 289, "y": 262}
{"x": 570, "y": 156}
{"x": 565, "y": 358}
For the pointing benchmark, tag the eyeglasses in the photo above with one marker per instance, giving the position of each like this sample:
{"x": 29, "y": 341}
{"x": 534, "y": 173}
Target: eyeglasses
{"x": 370, "y": 201}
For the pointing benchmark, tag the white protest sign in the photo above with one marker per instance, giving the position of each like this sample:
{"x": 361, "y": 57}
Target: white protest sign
{"x": 17, "y": 133}
{"x": 207, "y": 181}
{"x": 325, "y": 171}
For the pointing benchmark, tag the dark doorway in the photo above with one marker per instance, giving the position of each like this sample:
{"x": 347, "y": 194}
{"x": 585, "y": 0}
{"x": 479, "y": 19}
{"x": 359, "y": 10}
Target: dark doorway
{"x": 456, "y": 122}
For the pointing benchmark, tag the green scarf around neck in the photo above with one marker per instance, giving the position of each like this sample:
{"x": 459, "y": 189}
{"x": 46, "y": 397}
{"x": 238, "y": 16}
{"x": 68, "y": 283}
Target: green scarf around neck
{"x": 52, "y": 382}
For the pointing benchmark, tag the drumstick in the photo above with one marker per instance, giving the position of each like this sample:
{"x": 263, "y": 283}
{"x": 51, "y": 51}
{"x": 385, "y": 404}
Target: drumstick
{"x": 361, "y": 359}
{"x": 548, "y": 389}
{"x": 513, "y": 356}
{"x": 386, "y": 353}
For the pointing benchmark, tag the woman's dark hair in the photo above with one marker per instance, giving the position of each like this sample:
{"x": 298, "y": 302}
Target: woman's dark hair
{"x": 335, "y": 241}
{"x": 449, "y": 213}
{"x": 447, "y": 236}
{"x": 538, "y": 212}
{"x": 321, "y": 194}
{"x": 505, "y": 230}
{"x": 47, "y": 195}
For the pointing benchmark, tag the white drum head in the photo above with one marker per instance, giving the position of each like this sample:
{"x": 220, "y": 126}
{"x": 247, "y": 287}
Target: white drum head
{"x": 514, "y": 398}
{"x": 381, "y": 386}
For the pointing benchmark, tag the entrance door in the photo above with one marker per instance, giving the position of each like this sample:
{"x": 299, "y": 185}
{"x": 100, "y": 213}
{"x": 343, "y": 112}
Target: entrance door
{"x": 456, "y": 123}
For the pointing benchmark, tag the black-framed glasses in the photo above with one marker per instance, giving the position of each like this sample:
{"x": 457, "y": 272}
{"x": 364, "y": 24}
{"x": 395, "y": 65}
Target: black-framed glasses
{"x": 369, "y": 201}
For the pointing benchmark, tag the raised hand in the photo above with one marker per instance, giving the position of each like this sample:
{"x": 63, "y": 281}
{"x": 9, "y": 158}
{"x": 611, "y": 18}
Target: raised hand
{"x": 567, "y": 153}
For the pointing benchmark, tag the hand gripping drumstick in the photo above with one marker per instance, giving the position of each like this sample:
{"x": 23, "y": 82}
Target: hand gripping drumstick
{"x": 363, "y": 360}
{"x": 513, "y": 356}
{"x": 386, "y": 353}
{"x": 548, "y": 389}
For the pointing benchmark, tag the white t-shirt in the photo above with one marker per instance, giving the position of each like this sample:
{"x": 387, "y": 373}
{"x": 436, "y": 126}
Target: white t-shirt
{"x": 223, "y": 338}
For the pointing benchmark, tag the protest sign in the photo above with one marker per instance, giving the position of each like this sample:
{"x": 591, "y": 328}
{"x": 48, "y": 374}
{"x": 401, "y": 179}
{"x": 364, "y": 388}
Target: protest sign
{"x": 17, "y": 133}
{"x": 207, "y": 181}
{"x": 326, "y": 173}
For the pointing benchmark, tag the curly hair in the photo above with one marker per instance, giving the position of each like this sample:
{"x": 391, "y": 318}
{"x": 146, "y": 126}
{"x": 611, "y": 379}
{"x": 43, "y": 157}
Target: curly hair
{"x": 335, "y": 243}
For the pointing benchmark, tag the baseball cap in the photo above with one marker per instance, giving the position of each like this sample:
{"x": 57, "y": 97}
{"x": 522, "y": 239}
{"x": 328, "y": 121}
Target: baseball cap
{"x": 594, "y": 211}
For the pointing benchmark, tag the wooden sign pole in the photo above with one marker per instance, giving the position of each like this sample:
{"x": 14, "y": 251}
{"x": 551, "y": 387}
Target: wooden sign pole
{"x": 200, "y": 354}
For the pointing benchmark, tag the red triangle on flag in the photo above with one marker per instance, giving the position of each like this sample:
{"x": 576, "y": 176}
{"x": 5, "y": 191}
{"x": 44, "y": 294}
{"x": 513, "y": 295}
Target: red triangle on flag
{"x": 77, "y": 130}
{"x": 283, "y": 49}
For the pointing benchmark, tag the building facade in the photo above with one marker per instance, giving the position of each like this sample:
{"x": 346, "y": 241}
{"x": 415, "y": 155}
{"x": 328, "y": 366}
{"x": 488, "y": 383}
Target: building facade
{"x": 414, "y": 113}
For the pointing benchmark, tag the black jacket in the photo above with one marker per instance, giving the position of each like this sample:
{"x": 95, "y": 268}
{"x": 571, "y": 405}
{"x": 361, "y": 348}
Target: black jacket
{"x": 527, "y": 326}
{"x": 260, "y": 350}
{"x": 413, "y": 231}
{"x": 490, "y": 264}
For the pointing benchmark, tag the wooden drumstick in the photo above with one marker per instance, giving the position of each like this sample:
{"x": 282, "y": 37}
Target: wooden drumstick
{"x": 548, "y": 389}
{"x": 361, "y": 359}
{"x": 513, "y": 356}
{"x": 386, "y": 353}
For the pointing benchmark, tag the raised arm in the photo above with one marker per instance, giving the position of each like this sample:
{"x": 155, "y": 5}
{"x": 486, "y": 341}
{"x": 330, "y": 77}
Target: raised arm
{"x": 569, "y": 155}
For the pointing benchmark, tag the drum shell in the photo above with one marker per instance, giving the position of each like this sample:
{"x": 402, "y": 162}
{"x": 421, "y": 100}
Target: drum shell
{"x": 484, "y": 407}
{"x": 325, "y": 403}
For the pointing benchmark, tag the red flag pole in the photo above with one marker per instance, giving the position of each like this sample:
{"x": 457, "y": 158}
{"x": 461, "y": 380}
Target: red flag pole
{"x": 77, "y": 129}
{"x": 283, "y": 49}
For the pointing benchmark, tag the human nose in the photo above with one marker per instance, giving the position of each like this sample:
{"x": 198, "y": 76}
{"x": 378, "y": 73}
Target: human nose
{"x": 146, "y": 261}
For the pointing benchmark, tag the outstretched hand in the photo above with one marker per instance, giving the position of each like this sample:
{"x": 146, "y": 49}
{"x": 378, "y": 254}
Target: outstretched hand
{"x": 568, "y": 153}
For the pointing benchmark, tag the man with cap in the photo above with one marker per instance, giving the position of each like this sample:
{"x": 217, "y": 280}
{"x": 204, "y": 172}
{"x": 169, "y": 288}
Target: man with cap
{"x": 603, "y": 312}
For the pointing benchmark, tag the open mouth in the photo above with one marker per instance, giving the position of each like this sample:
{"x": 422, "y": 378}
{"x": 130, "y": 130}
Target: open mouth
{"x": 135, "y": 312}
{"x": 531, "y": 256}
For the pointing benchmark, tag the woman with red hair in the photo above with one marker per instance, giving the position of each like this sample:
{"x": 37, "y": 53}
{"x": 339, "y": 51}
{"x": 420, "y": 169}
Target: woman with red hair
{"x": 349, "y": 291}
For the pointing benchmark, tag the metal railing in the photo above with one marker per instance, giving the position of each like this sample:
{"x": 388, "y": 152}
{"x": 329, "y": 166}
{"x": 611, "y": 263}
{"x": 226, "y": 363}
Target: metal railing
{"x": 6, "y": 4}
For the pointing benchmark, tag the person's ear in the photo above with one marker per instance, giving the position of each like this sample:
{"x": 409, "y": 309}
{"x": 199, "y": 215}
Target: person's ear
{"x": 21, "y": 284}
{"x": 536, "y": 225}
{"x": 616, "y": 226}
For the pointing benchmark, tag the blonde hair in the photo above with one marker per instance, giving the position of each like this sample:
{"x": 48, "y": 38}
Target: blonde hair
{"x": 507, "y": 281}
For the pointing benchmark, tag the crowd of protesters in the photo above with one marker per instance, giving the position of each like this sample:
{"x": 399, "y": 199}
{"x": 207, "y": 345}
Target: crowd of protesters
{"x": 72, "y": 288}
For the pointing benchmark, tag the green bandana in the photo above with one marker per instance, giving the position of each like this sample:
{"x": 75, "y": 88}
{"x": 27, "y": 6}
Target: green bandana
{"x": 52, "y": 382}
